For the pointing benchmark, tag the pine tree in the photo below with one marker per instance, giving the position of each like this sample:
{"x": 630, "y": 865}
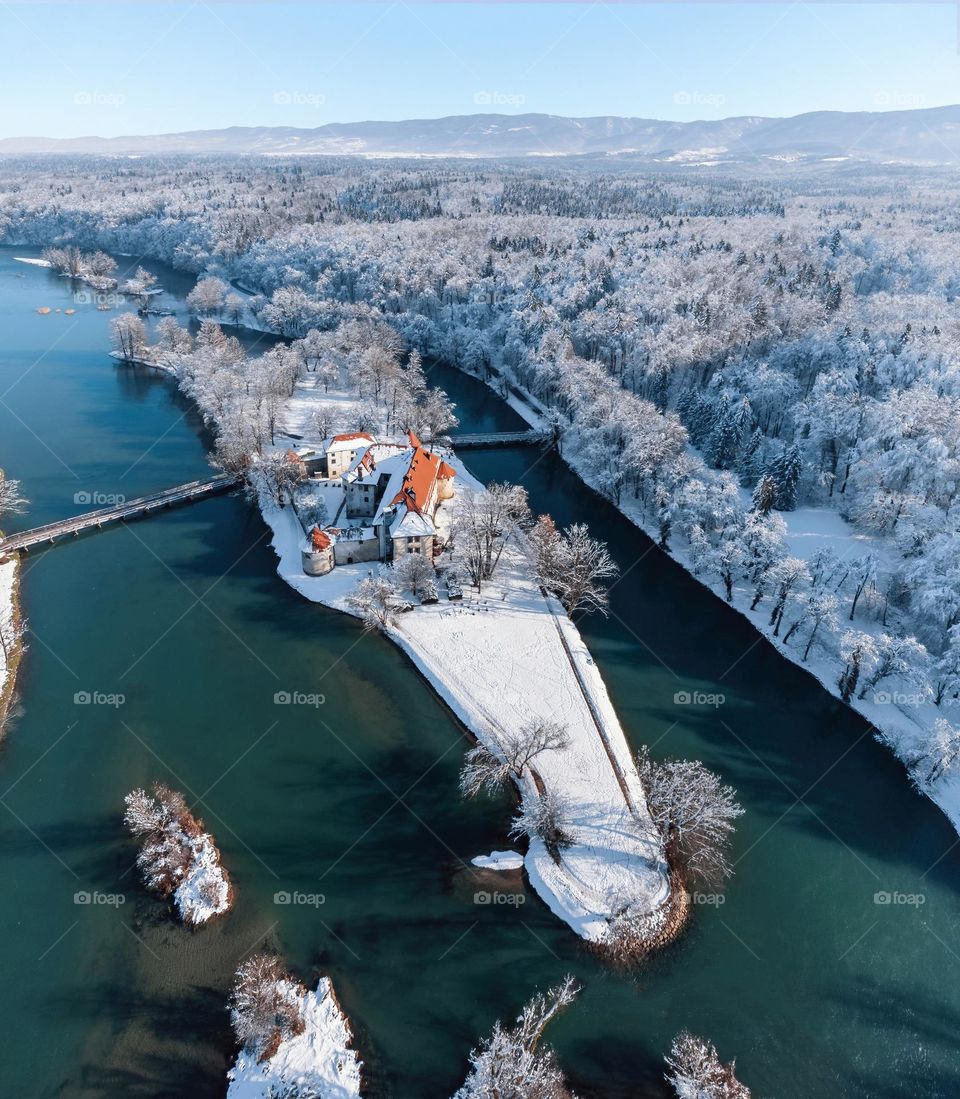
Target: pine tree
{"x": 786, "y": 471}
{"x": 765, "y": 495}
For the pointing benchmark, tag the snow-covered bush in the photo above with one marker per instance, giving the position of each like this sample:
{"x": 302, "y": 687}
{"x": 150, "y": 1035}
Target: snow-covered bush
{"x": 265, "y": 1005}
{"x": 512, "y": 1063}
{"x": 177, "y": 858}
{"x": 696, "y": 1071}
{"x": 695, "y": 813}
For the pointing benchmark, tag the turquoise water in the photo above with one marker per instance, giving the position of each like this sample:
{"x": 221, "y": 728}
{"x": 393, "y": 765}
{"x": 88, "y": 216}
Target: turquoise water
{"x": 816, "y": 989}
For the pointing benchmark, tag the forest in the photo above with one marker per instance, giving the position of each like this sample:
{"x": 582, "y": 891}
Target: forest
{"x": 728, "y": 358}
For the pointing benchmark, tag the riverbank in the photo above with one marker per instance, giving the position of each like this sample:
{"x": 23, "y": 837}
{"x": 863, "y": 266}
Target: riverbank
{"x": 503, "y": 658}
{"x": 9, "y": 622}
{"x": 809, "y": 530}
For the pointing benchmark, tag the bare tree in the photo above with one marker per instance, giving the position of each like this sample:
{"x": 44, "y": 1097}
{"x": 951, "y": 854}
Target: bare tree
{"x": 940, "y": 755}
{"x": 511, "y": 1064}
{"x": 265, "y": 1005}
{"x": 580, "y": 564}
{"x": 785, "y": 575}
{"x": 863, "y": 571}
{"x": 275, "y": 477}
{"x": 694, "y": 812}
{"x": 208, "y": 295}
{"x": 129, "y": 336}
{"x": 546, "y": 817}
{"x": 413, "y": 572}
{"x": 375, "y": 600}
{"x": 858, "y": 651}
{"x": 486, "y": 522}
{"x": 488, "y": 770}
{"x": 696, "y": 1071}
{"x": 545, "y": 542}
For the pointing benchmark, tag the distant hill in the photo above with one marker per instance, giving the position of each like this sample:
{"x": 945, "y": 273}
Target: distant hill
{"x": 928, "y": 136}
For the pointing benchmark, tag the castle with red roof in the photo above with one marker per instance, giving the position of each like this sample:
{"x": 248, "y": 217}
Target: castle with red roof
{"x": 391, "y": 492}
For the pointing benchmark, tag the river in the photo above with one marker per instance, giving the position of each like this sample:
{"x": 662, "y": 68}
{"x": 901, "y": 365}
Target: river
{"x": 817, "y": 989}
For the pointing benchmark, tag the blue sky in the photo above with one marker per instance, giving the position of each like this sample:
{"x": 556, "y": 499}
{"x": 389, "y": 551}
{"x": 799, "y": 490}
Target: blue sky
{"x": 81, "y": 68}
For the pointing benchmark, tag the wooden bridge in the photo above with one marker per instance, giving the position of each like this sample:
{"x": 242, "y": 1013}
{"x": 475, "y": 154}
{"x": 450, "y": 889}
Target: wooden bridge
{"x": 501, "y": 438}
{"x": 119, "y": 512}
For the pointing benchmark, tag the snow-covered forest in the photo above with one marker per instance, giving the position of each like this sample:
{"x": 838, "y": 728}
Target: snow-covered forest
{"x": 763, "y": 372}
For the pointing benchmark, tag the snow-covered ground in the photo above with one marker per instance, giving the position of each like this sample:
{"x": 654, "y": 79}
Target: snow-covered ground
{"x": 902, "y": 721}
{"x": 317, "y": 1062}
{"x": 504, "y": 658}
{"x": 205, "y": 891}
{"x": 8, "y": 581}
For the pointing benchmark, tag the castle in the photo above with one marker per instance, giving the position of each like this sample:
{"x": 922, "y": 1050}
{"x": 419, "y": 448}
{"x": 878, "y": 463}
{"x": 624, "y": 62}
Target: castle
{"x": 386, "y": 493}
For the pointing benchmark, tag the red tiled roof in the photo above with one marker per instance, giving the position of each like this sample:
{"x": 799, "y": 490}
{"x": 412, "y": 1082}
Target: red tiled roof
{"x": 319, "y": 540}
{"x": 350, "y": 436}
{"x": 418, "y": 481}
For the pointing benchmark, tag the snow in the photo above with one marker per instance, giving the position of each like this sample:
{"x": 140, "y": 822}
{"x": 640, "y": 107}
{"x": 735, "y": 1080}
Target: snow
{"x": 500, "y": 660}
{"x": 901, "y": 722}
{"x": 499, "y": 860}
{"x": 8, "y": 579}
{"x": 33, "y": 262}
{"x": 205, "y": 892}
{"x": 319, "y": 1061}
{"x": 298, "y": 419}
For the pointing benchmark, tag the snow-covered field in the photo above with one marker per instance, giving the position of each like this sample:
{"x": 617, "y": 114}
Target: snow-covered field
{"x": 499, "y": 660}
{"x": 317, "y": 1062}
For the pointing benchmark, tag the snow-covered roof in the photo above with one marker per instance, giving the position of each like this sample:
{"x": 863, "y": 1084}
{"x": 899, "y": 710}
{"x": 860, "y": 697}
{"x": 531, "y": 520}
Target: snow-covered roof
{"x": 349, "y": 440}
{"x": 411, "y": 472}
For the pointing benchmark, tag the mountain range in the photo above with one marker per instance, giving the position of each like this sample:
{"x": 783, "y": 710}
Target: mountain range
{"x": 925, "y": 136}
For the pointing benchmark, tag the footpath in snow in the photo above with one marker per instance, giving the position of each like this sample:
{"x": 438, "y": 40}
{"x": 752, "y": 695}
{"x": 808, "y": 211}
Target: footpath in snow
{"x": 9, "y": 571}
{"x": 319, "y": 1062}
{"x": 500, "y": 660}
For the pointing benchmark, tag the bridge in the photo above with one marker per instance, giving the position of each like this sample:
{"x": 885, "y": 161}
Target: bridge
{"x": 501, "y": 438}
{"x": 119, "y": 512}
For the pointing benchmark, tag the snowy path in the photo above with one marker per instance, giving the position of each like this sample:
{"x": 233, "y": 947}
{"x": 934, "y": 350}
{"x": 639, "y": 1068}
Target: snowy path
{"x": 499, "y": 662}
{"x": 8, "y": 578}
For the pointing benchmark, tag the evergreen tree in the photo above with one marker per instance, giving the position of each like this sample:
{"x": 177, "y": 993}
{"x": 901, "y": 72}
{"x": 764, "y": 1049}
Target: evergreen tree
{"x": 786, "y": 471}
{"x": 765, "y": 495}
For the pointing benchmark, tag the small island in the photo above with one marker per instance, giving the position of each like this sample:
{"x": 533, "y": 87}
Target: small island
{"x": 178, "y": 859}
{"x": 293, "y": 1042}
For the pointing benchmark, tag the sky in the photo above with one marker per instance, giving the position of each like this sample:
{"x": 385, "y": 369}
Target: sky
{"x": 138, "y": 67}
